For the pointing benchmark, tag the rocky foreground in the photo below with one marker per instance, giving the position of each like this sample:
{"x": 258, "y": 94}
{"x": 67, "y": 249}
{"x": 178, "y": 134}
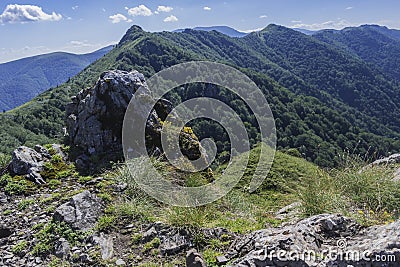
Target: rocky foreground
{"x": 50, "y": 215}
{"x": 63, "y": 225}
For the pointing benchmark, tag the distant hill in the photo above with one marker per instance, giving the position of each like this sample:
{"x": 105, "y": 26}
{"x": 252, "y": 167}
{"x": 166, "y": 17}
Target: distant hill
{"x": 307, "y": 32}
{"x": 374, "y": 44}
{"x": 222, "y": 29}
{"x": 23, "y": 79}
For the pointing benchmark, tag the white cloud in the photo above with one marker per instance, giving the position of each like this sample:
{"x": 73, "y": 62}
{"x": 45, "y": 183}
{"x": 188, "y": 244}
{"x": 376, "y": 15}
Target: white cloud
{"x": 296, "y": 21}
{"x": 117, "y": 18}
{"x": 252, "y": 30}
{"x": 263, "y": 17}
{"x": 80, "y": 43}
{"x": 338, "y": 25}
{"x": 75, "y": 7}
{"x": 164, "y": 9}
{"x": 349, "y": 8}
{"x": 26, "y": 13}
{"x": 206, "y": 8}
{"x": 141, "y": 10}
{"x": 171, "y": 18}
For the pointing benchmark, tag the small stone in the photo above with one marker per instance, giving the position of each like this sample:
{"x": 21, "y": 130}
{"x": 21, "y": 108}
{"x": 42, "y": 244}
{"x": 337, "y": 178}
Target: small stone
{"x": 5, "y": 231}
{"x": 221, "y": 260}
{"x": 149, "y": 234}
{"x": 120, "y": 262}
{"x": 194, "y": 259}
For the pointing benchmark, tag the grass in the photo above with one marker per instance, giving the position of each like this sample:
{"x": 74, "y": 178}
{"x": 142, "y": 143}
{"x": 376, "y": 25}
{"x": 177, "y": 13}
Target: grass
{"x": 371, "y": 197}
{"x": 239, "y": 211}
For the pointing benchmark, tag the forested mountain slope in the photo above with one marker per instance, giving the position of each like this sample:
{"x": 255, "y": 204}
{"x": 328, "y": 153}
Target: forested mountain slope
{"x": 325, "y": 100}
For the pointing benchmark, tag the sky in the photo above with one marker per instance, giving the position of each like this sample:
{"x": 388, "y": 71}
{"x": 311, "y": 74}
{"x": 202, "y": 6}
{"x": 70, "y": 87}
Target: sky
{"x": 36, "y": 27}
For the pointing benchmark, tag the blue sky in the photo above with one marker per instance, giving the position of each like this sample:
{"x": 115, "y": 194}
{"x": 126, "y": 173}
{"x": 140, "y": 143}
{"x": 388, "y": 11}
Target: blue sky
{"x": 36, "y": 27}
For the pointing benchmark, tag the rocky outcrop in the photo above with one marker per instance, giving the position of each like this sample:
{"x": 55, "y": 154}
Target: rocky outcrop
{"x": 30, "y": 162}
{"x": 95, "y": 117}
{"x": 323, "y": 240}
{"x": 81, "y": 212}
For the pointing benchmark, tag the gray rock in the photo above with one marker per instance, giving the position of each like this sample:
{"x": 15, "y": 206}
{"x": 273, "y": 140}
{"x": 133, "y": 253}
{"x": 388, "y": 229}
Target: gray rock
{"x": 25, "y": 158}
{"x": 26, "y": 161}
{"x": 194, "y": 259}
{"x": 81, "y": 212}
{"x": 3, "y": 198}
{"x": 321, "y": 234}
{"x": 120, "y": 262}
{"x": 94, "y": 118}
{"x": 392, "y": 159}
{"x": 149, "y": 234}
{"x": 5, "y": 231}
{"x": 106, "y": 245}
{"x": 290, "y": 212}
{"x": 221, "y": 260}
{"x": 62, "y": 248}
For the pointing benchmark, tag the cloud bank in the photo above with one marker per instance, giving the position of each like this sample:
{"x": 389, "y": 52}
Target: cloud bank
{"x": 26, "y": 13}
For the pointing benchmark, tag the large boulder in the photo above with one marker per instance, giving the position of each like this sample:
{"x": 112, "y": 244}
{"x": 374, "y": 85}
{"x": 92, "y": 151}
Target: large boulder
{"x": 81, "y": 212}
{"x": 95, "y": 118}
{"x": 322, "y": 240}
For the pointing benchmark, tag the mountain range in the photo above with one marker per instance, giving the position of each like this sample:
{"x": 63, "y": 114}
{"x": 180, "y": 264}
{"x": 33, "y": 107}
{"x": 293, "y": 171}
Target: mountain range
{"x": 327, "y": 94}
{"x": 222, "y": 29}
{"x": 26, "y": 78}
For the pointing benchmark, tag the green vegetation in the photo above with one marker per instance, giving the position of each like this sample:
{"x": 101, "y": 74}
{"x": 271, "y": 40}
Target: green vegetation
{"x": 25, "y": 203}
{"x": 49, "y": 234}
{"x": 20, "y": 247}
{"x": 155, "y": 243}
{"x": 17, "y": 185}
{"x": 106, "y": 223}
{"x": 325, "y": 100}
{"x": 371, "y": 197}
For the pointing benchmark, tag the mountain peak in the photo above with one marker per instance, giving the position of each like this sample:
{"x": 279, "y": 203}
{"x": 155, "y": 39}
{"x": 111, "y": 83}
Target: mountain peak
{"x": 132, "y": 33}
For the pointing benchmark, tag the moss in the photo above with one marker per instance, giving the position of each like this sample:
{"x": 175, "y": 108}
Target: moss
{"x": 136, "y": 238}
{"x": 84, "y": 179}
{"x": 50, "y": 233}
{"x": 53, "y": 183}
{"x": 106, "y": 223}
{"x": 25, "y": 203}
{"x": 18, "y": 185}
{"x": 155, "y": 243}
{"x": 20, "y": 247}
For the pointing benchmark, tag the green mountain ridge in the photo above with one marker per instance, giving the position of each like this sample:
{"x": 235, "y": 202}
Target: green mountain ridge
{"x": 307, "y": 88}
